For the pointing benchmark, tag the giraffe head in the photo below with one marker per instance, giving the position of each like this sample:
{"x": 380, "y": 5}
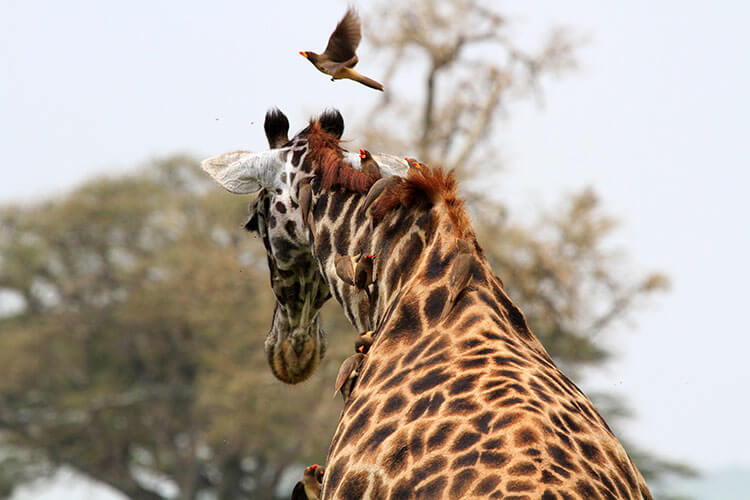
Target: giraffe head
{"x": 296, "y": 342}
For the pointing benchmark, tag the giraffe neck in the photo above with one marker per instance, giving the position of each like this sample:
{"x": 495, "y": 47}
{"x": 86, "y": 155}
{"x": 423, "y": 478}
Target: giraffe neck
{"x": 413, "y": 249}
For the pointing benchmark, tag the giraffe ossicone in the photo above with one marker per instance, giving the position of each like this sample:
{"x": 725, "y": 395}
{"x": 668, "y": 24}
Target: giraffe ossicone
{"x": 455, "y": 400}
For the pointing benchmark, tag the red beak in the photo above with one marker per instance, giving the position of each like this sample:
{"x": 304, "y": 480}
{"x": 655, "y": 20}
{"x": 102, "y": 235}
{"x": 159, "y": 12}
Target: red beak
{"x": 303, "y": 54}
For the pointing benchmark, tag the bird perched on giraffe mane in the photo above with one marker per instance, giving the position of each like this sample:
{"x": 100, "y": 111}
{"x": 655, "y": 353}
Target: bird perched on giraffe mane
{"x": 368, "y": 165}
{"x": 340, "y": 57}
{"x": 414, "y": 165}
{"x": 311, "y": 484}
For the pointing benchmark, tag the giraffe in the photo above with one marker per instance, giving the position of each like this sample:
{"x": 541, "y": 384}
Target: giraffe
{"x": 456, "y": 402}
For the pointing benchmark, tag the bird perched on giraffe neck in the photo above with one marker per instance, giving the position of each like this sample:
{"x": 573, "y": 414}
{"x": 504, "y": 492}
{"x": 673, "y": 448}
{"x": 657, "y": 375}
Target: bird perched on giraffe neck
{"x": 368, "y": 165}
{"x": 311, "y": 484}
{"x": 340, "y": 55}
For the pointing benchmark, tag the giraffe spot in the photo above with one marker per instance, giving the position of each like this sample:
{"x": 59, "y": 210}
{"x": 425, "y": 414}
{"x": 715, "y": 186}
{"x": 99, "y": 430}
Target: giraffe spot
{"x": 566, "y": 496}
{"x": 395, "y": 461}
{"x": 486, "y": 485}
{"x": 354, "y": 485}
{"x": 436, "y": 267}
{"x": 561, "y": 457}
{"x": 416, "y": 444}
{"x": 472, "y": 363}
{"x": 470, "y": 321}
{"x": 433, "y": 489}
{"x": 418, "y": 409}
{"x": 483, "y": 352}
{"x": 296, "y": 156}
{"x": 323, "y": 245}
{"x": 560, "y": 471}
{"x": 461, "y": 482}
{"x": 462, "y": 406}
{"x": 291, "y": 177}
{"x": 403, "y": 489}
{"x": 396, "y": 379}
{"x": 463, "y": 302}
{"x": 482, "y": 422}
{"x": 491, "y": 335}
{"x": 505, "y": 421}
{"x": 280, "y": 207}
{"x": 341, "y": 238}
{"x": 549, "y": 478}
{"x": 586, "y": 490}
{"x": 379, "y": 435}
{"x": 407, "y": 325}
{"x": 564, "y": 439}
{"x": 496, "y": 394}
{"x": 540, "y": 392}
{"x": 520, "y": 486}
{"x": 440, "y": 435}
{"x": 433, "y": 378}
{"x": 433, "y": 306}
{"x": 291, "y": 228}
{"x": 411, "y": 251}
{"x": 493, "y": 444}
{"x": 433, "y": 466}
{"x": 508, "y": 374}
{"x": 493, "y": 459}
{"x": 424, "y": 219}
{"x": 416, "y": 351}
{"x": 437, "y": 400}
{"x": 532, "y": 452}
{"x": 471, "y": 343}
{"x": 507, "y": 360}
{"x": 572, "y": 424}
{"x": 440, "y": 344}
{"x": 465, "y": 460}
{"x": 357, "y": 425}
{"x": 510, "y": 402}
{"x": 465, "y": 440}
{"x": 271, "y": 221}
{"x": 393, "y": 404}
{"x": 525, "y": 436}
{"x": 321, "y": 205}
{"x": 336, "y": 472}
{"x": 523, "y": 469}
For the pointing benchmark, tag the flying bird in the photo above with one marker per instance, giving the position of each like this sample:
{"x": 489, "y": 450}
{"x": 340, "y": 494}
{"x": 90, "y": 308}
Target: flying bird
{"x": 368, "y": 165}
{"x": 311, "y": 484}
{"x": 340, "y": 57}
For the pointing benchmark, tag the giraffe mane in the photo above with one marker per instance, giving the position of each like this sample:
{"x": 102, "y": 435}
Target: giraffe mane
{"x": 428, "y": 186}
{"x": 327, "y": 159}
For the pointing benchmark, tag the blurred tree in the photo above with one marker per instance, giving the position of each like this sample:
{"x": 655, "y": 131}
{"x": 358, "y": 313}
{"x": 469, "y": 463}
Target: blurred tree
{"x": 137, "y": 356}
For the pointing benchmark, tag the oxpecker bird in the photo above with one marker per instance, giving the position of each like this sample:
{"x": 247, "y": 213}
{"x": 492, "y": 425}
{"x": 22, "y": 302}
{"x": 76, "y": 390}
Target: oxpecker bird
{"x": 368, "y": 165}
{"x": 340, "y": 55}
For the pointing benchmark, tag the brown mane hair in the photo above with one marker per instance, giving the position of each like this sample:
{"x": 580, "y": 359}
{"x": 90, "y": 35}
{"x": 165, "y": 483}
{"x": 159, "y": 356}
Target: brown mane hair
{"x": 327, "y": 160}
{"x": 427, "y": 186}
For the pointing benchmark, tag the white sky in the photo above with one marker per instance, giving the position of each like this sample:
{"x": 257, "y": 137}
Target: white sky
{"x": 654, "y": 120}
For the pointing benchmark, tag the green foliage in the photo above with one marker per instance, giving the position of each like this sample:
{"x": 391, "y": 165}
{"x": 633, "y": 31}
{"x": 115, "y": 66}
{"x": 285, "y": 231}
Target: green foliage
{"x": 140, "y": 347}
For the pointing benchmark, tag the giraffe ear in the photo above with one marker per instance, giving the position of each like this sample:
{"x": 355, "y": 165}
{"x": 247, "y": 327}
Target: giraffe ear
{"x": 243, "y": 172}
